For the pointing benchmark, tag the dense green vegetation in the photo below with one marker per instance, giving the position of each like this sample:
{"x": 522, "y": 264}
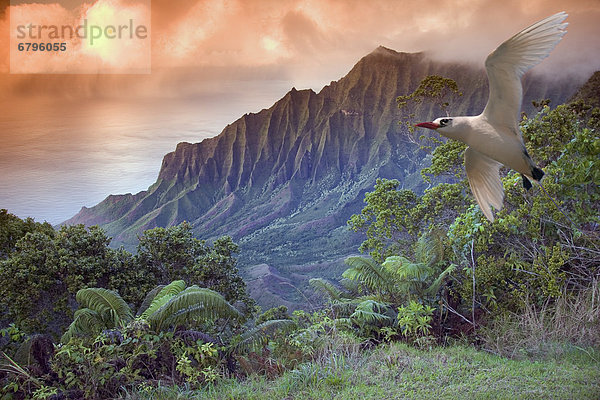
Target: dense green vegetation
{"x": 51, "y": 266}
{"x": 446, "y": 305}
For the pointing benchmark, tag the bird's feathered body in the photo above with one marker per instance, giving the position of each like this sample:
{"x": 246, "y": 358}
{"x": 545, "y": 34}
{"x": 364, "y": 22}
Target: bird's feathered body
{"x": 493, "y": 136}
{"x": 497, "y": 142}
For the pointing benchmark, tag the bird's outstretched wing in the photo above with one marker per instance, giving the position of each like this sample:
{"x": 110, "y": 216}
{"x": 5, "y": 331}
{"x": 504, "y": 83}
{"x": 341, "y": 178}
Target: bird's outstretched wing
{"x": 508, "y": 63}
{"x": 484, "y": 179}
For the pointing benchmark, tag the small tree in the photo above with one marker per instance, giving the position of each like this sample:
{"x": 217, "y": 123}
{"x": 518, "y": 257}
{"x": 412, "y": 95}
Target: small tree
{"x": 48, "y": 268}
{"x": 434, "y": 89}
{"x": 174, "y": 253}
{"x": 13, "y": 228}
{"x": 385, "y": 219}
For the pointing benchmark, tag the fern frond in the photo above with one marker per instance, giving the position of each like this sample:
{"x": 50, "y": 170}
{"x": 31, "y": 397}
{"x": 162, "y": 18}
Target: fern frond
{"x": 257, "y": 337}
{"x": 326, "y": 287}
{"x": 192, "y": 303}
{"x": 429, "y": 249}
{"x": 148, "y": 299}
{"x": 368, "y": 297}
{"x": 406, "y": 270}
{"x": 395, "y": 265}
{"x": 162, "y": 297}
{"x": 415, "y": 272}
{"x": 369, "y": 273}
{"x": 86, "y": 322}
{"x": 370, "y": 312}
{"x": 344, "y": 308}
{"x": 435, "y": 286}
{"x": 351, "y": 287}
{"x": 111, "y": 308}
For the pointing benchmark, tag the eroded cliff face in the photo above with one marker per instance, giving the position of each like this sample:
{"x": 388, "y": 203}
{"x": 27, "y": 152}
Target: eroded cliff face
{"x": 283, "y": 182}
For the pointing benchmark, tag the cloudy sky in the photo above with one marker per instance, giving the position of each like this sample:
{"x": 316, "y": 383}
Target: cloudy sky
{"x": 309, "y": 42}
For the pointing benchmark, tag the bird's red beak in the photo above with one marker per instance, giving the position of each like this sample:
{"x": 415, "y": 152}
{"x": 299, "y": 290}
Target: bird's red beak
{"x": 428, "y": 125}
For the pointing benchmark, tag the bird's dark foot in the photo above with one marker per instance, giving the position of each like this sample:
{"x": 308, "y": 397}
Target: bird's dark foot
{"x": 537, "y": 173}
{"x": 526, "y": 183}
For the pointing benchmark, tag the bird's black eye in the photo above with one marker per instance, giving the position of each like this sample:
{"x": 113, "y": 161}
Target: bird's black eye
{"x": 445, "y": 121}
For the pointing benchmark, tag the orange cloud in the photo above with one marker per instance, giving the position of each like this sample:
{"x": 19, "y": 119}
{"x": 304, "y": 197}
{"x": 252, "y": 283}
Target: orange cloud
{"x": 311, "y": 42}
{"x": 317, "y": 36}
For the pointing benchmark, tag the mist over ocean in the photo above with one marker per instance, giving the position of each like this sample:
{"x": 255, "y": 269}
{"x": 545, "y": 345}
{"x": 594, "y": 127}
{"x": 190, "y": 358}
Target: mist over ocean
{"x": 57, "y": 155}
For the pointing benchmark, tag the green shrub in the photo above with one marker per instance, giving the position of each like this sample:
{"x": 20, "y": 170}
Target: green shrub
{"x": 48, "y": 269}
{"x": 414, "y": 320}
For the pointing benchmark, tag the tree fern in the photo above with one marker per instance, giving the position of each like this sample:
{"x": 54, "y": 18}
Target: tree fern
{"x": 413, "y": 279}
{"x": 351, "y": 287}
{"x": 371, "y": 312}
{"x": 402, "y": 268}
{"x": 435, "y": 286}
{"x": 405, "y": 270}
{"x": 164, "y": 306}
{"x": 101, "y": 309}
{"x": 342, "y": 303}
{"x": 343, "y": 309}
{"x": 429, "y": 249}
{"x": 148, "y": 299}
{"x": 327, "y": 288}
{"x": 85, "y": 323}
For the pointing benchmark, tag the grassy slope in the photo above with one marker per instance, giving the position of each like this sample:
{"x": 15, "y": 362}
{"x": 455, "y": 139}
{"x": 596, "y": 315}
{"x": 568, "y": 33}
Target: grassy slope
{"x": 398, "y": 372}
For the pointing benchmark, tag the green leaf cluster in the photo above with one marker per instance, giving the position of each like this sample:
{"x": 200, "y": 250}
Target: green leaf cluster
{"x": 414, "y": 319}
{"x": 393, "y": 219}
{"x": 174, "y": 253}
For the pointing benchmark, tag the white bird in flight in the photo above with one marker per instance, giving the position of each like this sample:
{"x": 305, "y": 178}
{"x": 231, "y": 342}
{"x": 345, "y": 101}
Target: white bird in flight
{"x": 493, "y": 136}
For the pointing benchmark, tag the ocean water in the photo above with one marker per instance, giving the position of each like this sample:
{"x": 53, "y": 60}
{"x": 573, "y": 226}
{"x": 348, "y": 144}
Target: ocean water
{"x": 57, "y": 156}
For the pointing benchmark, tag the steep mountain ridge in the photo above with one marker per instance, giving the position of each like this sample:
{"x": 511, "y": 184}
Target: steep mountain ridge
{"x": 283, "y": 181}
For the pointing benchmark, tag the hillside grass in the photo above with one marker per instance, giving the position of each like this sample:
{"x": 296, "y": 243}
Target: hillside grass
{"x": 398, "y": 371}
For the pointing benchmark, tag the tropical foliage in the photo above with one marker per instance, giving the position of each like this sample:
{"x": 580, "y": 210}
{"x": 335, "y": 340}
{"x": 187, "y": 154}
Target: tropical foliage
{"x": 52, "y": 266}
{"x": 411, "y": 287}
{"x": 170, "y": 306}
{"x": 437, "y": 272}
{"x": 101, "y": 309}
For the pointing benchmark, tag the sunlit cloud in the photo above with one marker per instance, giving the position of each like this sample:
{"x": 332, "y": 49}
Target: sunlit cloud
{"x": 124, "y": 53}
{"x": 102, "y": 37}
